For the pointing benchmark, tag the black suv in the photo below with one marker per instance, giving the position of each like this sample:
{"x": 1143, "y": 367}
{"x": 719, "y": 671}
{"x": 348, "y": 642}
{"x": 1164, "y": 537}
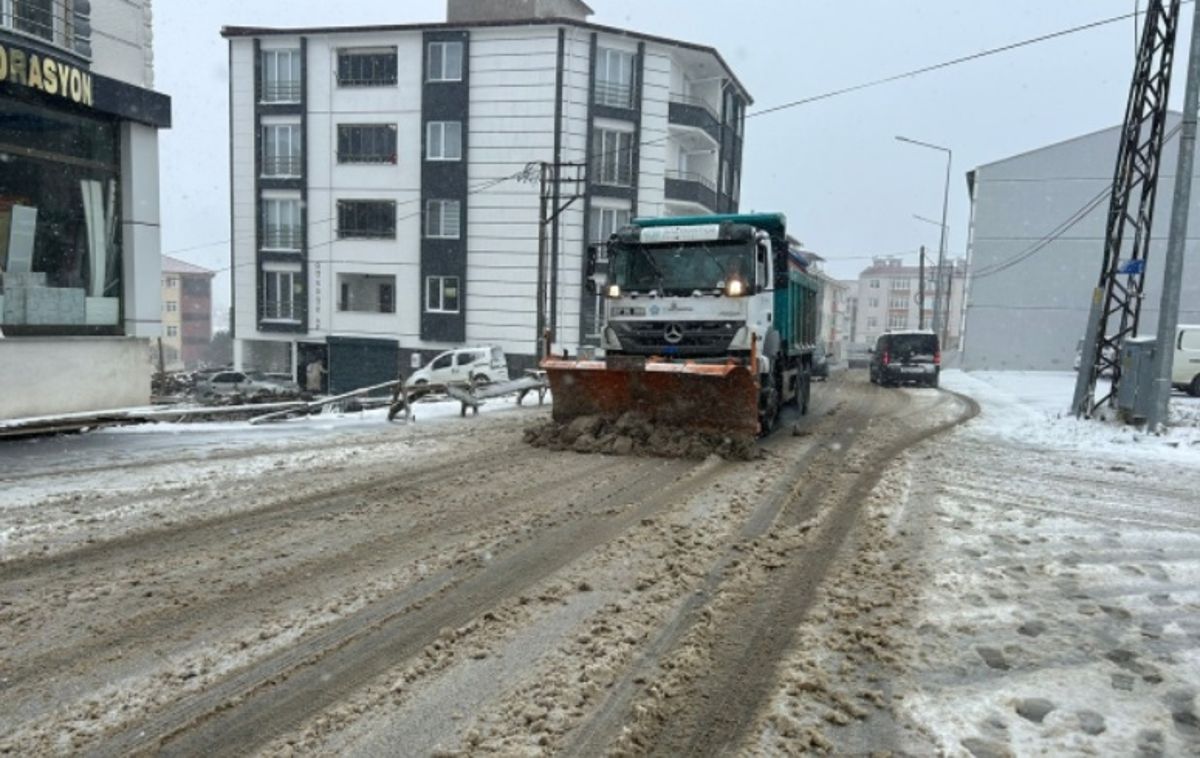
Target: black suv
{"x": 901, "y": 357}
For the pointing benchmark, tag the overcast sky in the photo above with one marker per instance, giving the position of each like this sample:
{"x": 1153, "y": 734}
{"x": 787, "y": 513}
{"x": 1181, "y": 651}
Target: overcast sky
{"x": 848, "y": 187}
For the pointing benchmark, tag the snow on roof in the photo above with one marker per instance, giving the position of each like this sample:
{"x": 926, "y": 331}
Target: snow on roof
{"x": 176, "y": 266}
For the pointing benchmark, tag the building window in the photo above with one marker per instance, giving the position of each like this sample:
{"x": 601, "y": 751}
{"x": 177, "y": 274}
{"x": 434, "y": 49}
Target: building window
{"x": 172, "y": 282}
{"x": 900, "y": 302}
{"x": 613, "y": 155}
{"x": 872, "y": 302}
{"x": 898, "y": 321}
{"x": 281, "y": 224}
{"x": 281, "y": 294}
{"x": 60, "y": 222}
{"x": 47, "y": 19}
{"x": 170, "y": 306}
{"x": 441, "y": 294}
{"x": 872, "y": 322}
{"x": 901, "y": 284}
{"x": 445, "y": 62}
{"x": 172, "y": 331}
{"x": 281, "y": 150}
{"x": 366, "y": 143}
{"x": 281, "y": 76}
{"x": 443, "y": 219}
{"x": 873, "y": 284}
{"x": 366, "y": 219}
{"x": 366, "y": 293}
{"x": 443, "y": 140}
{"x": 606, "y": 221}
{"x": 614, "y": 78}
{"x": 366, "y": 67}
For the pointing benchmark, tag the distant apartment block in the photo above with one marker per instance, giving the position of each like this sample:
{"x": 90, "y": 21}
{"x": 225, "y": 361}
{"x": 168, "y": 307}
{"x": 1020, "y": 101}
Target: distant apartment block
{"x": 889, "y": 299}
{"x": 186, "y": 313}
{"x": 377, "y": 217}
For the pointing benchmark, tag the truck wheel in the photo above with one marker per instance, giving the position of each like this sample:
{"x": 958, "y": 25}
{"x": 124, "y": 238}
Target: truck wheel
{"x": 768, "y": 412}
{"x": 1194, "y": 387}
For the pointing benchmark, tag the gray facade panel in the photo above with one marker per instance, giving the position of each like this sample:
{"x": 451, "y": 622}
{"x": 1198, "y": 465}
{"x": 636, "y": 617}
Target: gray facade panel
{"x": 1027, "y": 309}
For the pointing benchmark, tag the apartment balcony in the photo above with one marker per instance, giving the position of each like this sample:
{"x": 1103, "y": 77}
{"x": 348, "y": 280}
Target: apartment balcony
{"x": 285, "y": 92}
{"x": 694, "y": 113}
{"x": 690, "y": 187}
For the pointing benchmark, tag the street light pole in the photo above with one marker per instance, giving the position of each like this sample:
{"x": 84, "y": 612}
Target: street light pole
{"x": 938, "y": 316}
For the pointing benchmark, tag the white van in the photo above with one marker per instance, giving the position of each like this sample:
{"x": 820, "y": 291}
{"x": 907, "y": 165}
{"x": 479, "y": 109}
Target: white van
{"x": 1185, "y": 371}
{"x": 469, "y": 364}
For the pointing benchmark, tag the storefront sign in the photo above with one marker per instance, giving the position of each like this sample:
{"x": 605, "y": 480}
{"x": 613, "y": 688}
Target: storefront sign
{"x": 47, "y": 74}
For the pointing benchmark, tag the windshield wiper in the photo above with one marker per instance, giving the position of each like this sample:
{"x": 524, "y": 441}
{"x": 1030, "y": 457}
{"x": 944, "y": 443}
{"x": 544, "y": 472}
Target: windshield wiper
{"x": 658, "y": 274}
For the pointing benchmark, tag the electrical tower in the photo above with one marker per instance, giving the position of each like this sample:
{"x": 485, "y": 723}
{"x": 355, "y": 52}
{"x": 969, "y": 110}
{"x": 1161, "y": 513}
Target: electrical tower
{"x": 561, "y": 185}
{"x": 1117, "y": 300}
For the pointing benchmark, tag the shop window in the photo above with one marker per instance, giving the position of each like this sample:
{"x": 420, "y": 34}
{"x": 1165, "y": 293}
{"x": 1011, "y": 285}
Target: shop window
{"x": 443, "y": 219}
{"x": 445, "y": 62}
{"x": 281, "y": 76}
{"x": 281, "y": 292}
{"x": 441, "y": 294}
{"x": 60, "y": 222}
{"x": 366, "y": 293}
{"x": 366, "y": 143}
{"x": 443, "y": 141}
{"x": 366, "y": 219}
{"x": 281, "y": 150}
{"x": 366, "y": 67}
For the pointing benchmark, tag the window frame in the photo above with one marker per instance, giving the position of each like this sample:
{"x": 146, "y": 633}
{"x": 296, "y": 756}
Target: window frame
{"x": 344, "y": 205}
{"x": 280, "y": 241}
{"x": 389, "y": 78}
{"x": 294, "y": 308}
{"x": 609, "y": 90}
{"x": 444, "y": 46}
{"x": 441, "y": 127}
{"x": 272, "y": 154}
{"x": 274, "y": 88}
{"x": 441, "y": 281}
{"x": 441, "y": 204}
{"x": 379, "y": 157}
{"x": 608, "y": 157}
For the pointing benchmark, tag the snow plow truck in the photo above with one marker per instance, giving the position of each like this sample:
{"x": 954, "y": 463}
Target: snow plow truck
{"x": 709, "y": 324}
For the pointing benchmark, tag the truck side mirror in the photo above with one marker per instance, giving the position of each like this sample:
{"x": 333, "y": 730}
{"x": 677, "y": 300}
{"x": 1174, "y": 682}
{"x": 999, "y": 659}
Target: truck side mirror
{"x": 593, "y": 255}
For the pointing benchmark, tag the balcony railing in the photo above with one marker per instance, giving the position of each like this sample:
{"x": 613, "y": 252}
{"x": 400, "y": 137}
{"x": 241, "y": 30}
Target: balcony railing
{"x": 696, "y": 102}
{"x": 281, "y": 310}
{"x": 281, "y": 92}
{"x": 280, "y": 237}
{"x": 688, "y": 186}
{"x": 684, "y": 110}
{"x": 614, "y": 95}
{"x": 281, "y": 165}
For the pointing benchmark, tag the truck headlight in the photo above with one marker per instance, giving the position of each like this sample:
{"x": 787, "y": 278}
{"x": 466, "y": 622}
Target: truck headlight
{"x": 613, "y": 291}
{"x": 735, "y": 288}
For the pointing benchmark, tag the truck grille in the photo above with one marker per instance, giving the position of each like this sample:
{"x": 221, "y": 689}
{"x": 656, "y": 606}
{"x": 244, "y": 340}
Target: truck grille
{"x": 696, "y": 338}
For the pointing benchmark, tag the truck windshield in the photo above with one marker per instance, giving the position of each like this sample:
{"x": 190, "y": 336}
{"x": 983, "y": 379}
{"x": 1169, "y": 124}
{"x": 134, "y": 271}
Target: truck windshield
{"x": 680, "y": 268}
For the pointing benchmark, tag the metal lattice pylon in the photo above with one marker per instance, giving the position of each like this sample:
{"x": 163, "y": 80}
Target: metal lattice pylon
{"x": 1117, "y": 302}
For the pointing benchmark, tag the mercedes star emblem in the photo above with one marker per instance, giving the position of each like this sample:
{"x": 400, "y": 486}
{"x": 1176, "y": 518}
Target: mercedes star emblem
{"x": 673, "y": 333}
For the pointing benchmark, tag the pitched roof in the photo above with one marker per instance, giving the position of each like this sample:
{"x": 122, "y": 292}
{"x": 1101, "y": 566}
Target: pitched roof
{"x": 176, "y": 266}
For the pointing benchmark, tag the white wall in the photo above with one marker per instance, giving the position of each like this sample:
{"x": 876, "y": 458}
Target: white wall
{"x": 122, "y": 40}
{"x": 57, "y": 375}
{"x": 241, "y": 75}
{"x": 141, "y": 260}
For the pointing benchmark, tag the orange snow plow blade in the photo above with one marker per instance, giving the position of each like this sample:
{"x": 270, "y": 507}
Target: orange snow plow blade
{"x": 702, "y": 397}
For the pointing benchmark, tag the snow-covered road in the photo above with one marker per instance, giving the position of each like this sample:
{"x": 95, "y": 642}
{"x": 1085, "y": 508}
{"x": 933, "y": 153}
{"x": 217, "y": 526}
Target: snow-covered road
{"x": 879, "y": 580}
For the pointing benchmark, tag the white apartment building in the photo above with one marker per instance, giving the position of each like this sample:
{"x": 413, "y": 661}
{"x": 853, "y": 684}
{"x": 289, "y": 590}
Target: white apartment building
{"x": 79, "y": 205}
{"x": 889, "y": 299}
{"x": 379, "y": 214}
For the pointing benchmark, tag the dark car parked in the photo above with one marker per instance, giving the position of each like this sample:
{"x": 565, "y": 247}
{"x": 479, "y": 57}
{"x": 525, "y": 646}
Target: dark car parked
{"x": 901, "y": 357}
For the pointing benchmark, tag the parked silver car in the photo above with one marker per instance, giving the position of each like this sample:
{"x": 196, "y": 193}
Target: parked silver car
{"x": 235, "y": 383}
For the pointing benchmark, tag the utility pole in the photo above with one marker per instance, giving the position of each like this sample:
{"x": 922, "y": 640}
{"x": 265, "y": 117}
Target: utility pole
{"x": 921, "y": 293}
{"x": 941, "y": 261}
{"x": 552, "y": 178}
{"x": 1168, "y": 309}
{"x": 1117, "y": 299}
